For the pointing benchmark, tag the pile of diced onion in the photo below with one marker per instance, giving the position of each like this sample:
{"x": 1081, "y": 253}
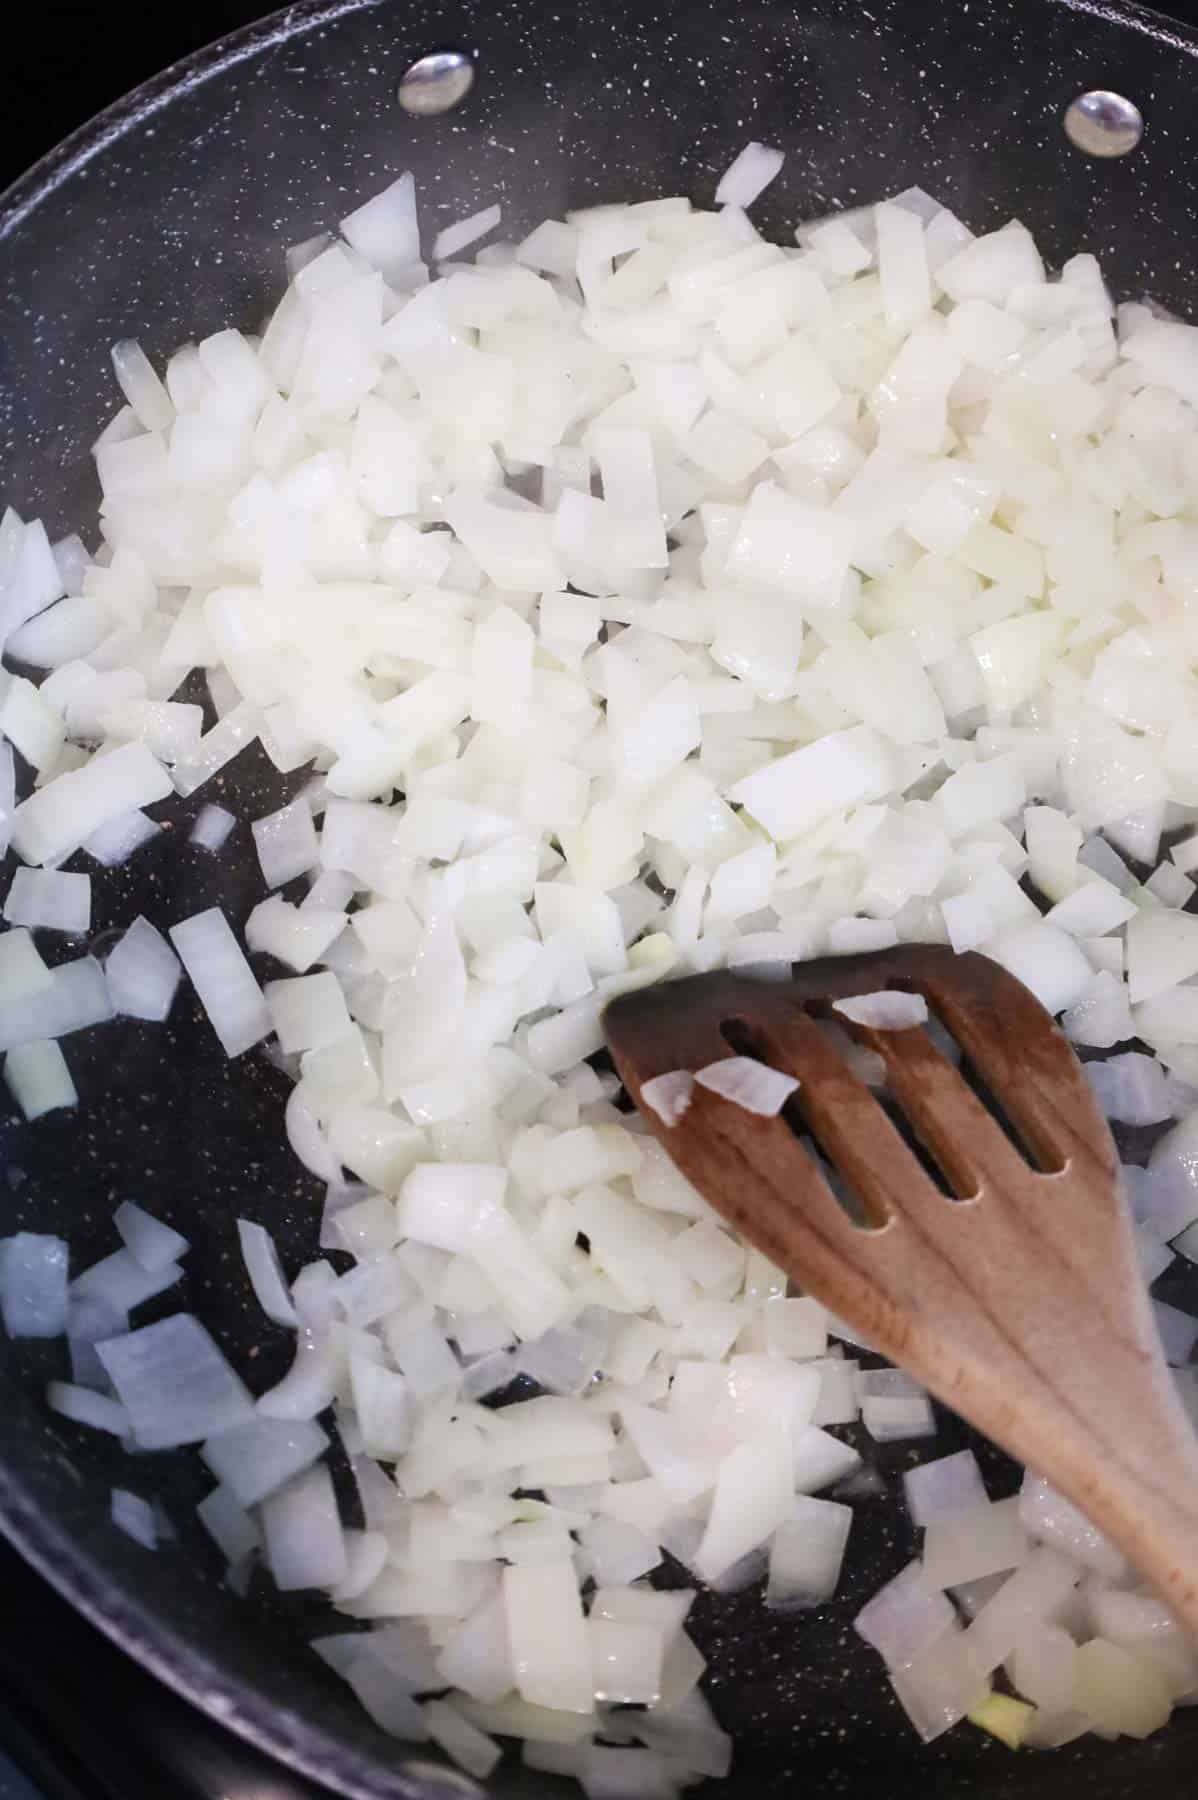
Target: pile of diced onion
{"x": 634, "y": 599}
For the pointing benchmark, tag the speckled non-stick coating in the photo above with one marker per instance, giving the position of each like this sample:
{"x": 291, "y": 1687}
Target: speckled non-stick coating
{"x": 166, "y": 219}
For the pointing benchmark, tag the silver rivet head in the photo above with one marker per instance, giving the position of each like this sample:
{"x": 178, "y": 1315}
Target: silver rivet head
{"x": 1101, "y": 123}
{"x": 436, "y": 83}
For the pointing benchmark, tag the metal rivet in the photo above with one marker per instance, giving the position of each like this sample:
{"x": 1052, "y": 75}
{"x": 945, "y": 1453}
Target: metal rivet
{"x": 1104, "y": 124}
{"x": 436, "y": 83}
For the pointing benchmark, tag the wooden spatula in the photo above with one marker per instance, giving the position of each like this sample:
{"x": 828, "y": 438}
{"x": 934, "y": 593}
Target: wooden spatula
{"x": 1020, "y": 1303}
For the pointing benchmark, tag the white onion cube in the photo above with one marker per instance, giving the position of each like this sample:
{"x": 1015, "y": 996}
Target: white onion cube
{"x": 33, "y": 1285}
{"x": 223, "y": 980}
{"x": 807, "y": 1552}
{"x": 176, "y": 1385}
{"x": 142, "y": 973}
{"x": 49, "y": 898}
{"x": 38, "y": 1079}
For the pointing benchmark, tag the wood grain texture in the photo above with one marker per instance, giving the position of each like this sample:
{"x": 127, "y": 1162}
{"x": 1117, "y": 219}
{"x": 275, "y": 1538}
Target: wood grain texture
{"x": 1019, "y": 1304}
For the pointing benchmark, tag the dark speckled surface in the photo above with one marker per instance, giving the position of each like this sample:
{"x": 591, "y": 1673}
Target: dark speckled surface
{"x": 166, "y": 219}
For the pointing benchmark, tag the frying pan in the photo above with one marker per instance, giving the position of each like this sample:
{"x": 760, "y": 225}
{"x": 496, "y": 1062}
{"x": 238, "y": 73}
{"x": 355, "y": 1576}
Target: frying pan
{"x": 166, "y": 217}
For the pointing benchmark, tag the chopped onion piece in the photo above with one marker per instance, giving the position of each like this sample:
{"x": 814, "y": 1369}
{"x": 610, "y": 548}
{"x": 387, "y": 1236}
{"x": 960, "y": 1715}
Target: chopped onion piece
{"x": 135, "y": 1517}
{"x": 150, "y": 1243}
{"x": 464, "y": 1744}
{"x": 90, "y": 1321}
{"x": 821, "y": 1460}
{"x": 366, "y": 1553}
{"x": 754, "y": 1488}
{"x": 886, "y": 1010}
{"x": 967, "y": 1546}
{"x": 627, "y": 1662}
{"x": 669, "y": 1095}
{"x": 33, "y": 1285}
{"x": 38, "y": 1079}
{"x": 86, "y": 1407}
{"x": 121, "y": 1282}
{"x": 1123, "y": 1694}
{"x": 22, "y": 970}
{"x": 141, "y": 386}
{"x": 142, "y": 973}
{"x": 212, "y": 827}
{"x": 229, "y": 1525}
{"x": 223, "y": 980}
{"x": 905, "y": 1618}
{"x": 1053, "y": 1520}
{"x": 50, "y": 899}
{"x": 1033, "y": 1593}
{"x": 749, "y": 1084}
{"x": 806, "y": 1554}
{"x": 308, "y": 1386}
{"x": 305, "y": 1545}
{"x": 286, "y": 843}
{"x": 266, "y": 1273}
{"x": 61, "y": 816}
{"x": 382, "y": 1401}
{"x": 115, "y": 842}
{"x": 174, "y": 1383}
{"x": 551, "y": 1650}
{"x": 75, "y": 996}
{"x": 748, "y": 175}
{"x": 613, "y": 1552}
{"x": 949, "y": 1485}
{"x": 308, "y": 1012}
{"x": 940, "y": 1686}
{"x": 891, "y": 1417}
{"x": 255, "y": 1459}
{"x": 390, "y": 1706}
{"x": 453, "y": 238}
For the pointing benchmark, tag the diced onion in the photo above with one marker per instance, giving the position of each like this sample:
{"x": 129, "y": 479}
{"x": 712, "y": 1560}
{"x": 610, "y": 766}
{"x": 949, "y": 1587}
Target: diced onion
{"x": 223, "y": 980}
{"x": 644, "y": 599}
{"x": 467, "y": 231}
{"x": 266, "y": 1273}
{"x": 135, "y": 1517}
{"x": 174, "y": 1382}
{"x": 33, "y": 1285}
{"x": 38, "y": 1079}
{"x": 749, "y": 1084}
{"x": 121, "y": 1281}
{"x": 86, "y": 1407}
{"x": 886, "y": 1010}
{"x": 748, "y": 175}
{"x": 253, "y": 1460}
{"x": 142, "y": 973}
{"x": 149, "y": 1242}
{"x": 305, "y": 1543}
{"x": 806, "y": 1554}
{"x": 212, "y": 827}
{"x": 50, "y": 899}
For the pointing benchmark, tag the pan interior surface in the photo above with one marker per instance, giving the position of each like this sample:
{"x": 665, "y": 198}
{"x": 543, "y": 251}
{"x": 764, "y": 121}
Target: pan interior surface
{"x": 167, "y": 218}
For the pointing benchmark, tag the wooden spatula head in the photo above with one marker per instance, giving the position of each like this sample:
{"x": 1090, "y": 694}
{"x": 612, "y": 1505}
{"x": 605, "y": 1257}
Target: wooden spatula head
{"x": 1015, "y": 1295}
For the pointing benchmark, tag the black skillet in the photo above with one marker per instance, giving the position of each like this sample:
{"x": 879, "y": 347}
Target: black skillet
{"x": 166, "y": 217}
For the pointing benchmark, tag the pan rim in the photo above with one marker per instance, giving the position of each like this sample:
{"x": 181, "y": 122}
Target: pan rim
{"x": 150, "y": 1641}
{"x": 72, "y": 153}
